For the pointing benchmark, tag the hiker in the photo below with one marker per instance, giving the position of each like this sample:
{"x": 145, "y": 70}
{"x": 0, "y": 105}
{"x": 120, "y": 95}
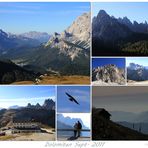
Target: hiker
{"x": 75, "y": 129}
{"x": 79, "y": 127}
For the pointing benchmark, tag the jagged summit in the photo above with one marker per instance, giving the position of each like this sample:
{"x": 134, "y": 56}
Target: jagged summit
{"x": 102, "y": 13}
{"x": 108, "y": 74}
{"x": 137, "y": 72}
{"x": 48, "y": 104}
{"x": 75, "y": 40}
{"x": 134, "y": 66}
{"x": 80, "y": 28}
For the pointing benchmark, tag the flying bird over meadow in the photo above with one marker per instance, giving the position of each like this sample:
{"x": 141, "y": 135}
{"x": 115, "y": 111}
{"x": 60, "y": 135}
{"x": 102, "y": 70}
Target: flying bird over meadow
{"x": 72, "y": 99}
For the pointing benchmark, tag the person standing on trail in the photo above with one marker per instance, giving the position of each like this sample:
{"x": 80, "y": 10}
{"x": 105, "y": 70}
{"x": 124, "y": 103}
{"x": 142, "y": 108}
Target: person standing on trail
{"x": 79, "y": 127}
{"x": 75, "y": 129}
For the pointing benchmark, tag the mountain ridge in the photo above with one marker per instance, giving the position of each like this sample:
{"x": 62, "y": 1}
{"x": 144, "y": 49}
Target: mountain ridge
{"x": 118, "y": 36}
{"x": 137, "y": 72}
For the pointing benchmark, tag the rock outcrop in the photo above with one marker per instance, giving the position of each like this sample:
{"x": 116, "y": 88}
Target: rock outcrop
{"x": 75, "y": 40}
{"x": 108, "y": 74}
{"x": 49, "y": 104}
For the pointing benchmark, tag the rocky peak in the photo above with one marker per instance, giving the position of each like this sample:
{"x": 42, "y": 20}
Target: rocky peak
{"x": 75, "y": 40}
{"x": 3, "y": 34}
{"x": 134, "y": 66}
{"x": 108, "y": 74}
{"x": 125, "y": 21}
{"x": 108, "y": 28}
{"x": 49, "y": 104}
{"x": 29, "y": 105}
{"x": 80, "y": 28}
{"x": 102, "y": 14}
{"x": 38, "y": 105}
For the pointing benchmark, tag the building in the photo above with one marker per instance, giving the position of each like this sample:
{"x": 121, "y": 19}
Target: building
{"x": 25, "y": 126}
{"x": 102, "y": 112}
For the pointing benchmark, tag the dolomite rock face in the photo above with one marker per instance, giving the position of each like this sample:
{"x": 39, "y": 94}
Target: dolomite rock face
{"x": 75, "y": 40}
{"x": 108, "y": 75}
{"x": 80, "y": 28}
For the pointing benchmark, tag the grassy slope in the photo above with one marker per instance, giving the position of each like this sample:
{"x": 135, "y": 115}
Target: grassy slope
{"x": 104, "y": 129}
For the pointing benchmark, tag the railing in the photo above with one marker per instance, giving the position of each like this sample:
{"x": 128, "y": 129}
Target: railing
{"x": 82, "y": 130}
{"x": 72, "y": 130}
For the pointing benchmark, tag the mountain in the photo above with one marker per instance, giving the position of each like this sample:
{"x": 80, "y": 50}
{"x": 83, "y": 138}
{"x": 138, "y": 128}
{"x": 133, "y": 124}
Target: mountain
{"x": 138, "y": 122}
{"x": 42, "y": 37}
{"x": 10, "y": 73}
{"x": 118, "y": 36}
{"x": 134, "y": 66}
{"x": 11, "y": 41}
{"x": 14, "y": 107}
{"x": 48, "y": 104}
{"x": 141, "y": 127}
{"x": 142, "y": 117}
{"x": 43, "y": 116}
{"x": 129, "y": 117}
{"x": 105, "y": 129}
{"x": 134, "y": 26}
{"x": 69, "y": 121}
{"x": 137, "y": 72}
{"x": 68, "y": 52}
{"x": 123, "y": 116}
{"x": 75, "y": 40}
{"x": 38, "y": 113}
{"x": 108, "y": 74}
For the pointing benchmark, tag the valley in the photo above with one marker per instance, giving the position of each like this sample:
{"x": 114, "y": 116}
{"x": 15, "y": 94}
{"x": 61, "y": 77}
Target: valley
{"x": 64, "y": 58}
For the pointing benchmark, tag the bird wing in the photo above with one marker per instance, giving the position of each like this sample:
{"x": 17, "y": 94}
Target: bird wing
{"x": 68, "y": 95}
{"x": 75, "y": 101}
{"x": 72, "y": 98}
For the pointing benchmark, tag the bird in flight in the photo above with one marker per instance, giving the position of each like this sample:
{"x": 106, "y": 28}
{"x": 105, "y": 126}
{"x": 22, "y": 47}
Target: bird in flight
{"x": 72, "y": 99}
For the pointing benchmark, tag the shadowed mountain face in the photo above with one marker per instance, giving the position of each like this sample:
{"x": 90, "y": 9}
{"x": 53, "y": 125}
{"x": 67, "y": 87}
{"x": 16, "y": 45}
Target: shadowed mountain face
{"x": 118, "y": 36}
{"x": 10, "y": 73}
{"x": 105, "y": 129}
{"x": 67, "y": 53}
{"x": 137, "y": 72}
{"x": 38, "y": 113}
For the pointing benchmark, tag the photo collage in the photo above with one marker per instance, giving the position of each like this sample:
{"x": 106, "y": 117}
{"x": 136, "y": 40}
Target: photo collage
{"x": 73, "y": 71}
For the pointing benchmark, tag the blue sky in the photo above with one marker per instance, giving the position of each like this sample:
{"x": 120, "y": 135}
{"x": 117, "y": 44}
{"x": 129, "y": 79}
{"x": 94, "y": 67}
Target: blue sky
{"x": 19, "y": 17}
{"x": 22, "y": 95}
{"x": 97, "y": 62}
{"x": 141, "y": 61}
{"x": 80, "y": 93}
{"x": 133, "y": 10}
